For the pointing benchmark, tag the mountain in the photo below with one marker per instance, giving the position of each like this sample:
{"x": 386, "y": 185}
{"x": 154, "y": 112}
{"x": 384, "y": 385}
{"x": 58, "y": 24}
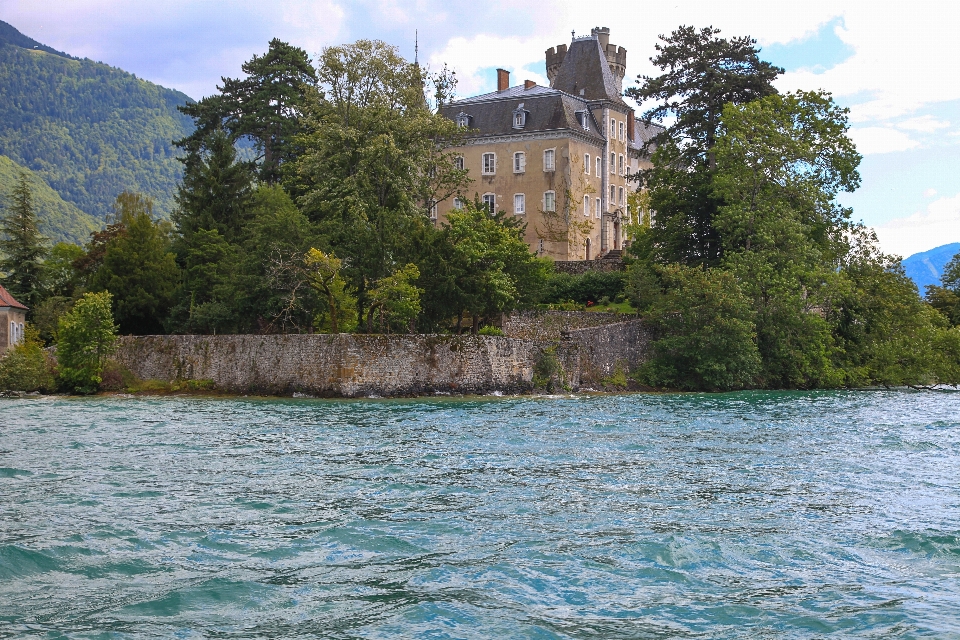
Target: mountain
{"x": 925, "y": 268}
{"x": 87, "y": 129}
{"x": 58, "y": 220}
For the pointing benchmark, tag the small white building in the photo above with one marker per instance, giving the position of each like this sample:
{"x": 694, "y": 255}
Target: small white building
{"x": 13, "y": 317}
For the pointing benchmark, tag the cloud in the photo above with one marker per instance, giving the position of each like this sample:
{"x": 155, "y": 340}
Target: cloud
{"x": 929, "y": 193}
{"x": 938, "y": 225}
{"x": 870, "y": 140}
{"x": 924, "y": 124}
{"x": 475, "y": 58}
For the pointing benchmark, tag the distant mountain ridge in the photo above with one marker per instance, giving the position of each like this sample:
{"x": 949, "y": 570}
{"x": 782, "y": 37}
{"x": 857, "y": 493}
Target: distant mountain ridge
{"x": 926, "y": 268}
{"x": 87, "y": 129}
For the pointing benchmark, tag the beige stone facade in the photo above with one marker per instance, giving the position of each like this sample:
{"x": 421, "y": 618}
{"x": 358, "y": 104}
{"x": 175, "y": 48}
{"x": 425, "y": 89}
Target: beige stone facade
{"x": 13, "y": 319}
{"x": 558, "y": 157}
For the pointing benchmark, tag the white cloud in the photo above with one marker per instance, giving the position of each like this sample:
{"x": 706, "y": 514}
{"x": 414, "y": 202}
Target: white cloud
{"x": 938, "y": 225}
{"x": 473, "y": 59}
{"x": 924, "y": 124}
{"x": 929, "y": 193}
{"x": 870, "y": 140}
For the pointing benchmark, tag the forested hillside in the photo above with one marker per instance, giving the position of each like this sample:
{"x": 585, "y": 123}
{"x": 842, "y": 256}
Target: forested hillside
{"x": 89, "y": 130}
{"x": 58, "y": 220}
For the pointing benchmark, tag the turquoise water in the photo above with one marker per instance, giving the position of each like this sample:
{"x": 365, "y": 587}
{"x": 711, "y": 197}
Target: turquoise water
{"x": 772, "y": 515}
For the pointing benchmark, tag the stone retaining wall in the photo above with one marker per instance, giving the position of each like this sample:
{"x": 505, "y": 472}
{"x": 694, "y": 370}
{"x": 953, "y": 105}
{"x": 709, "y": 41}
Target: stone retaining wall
{"x": 551, "y": 325}
{"x": 348, "y": 365}
{"x": 576, "y": 267}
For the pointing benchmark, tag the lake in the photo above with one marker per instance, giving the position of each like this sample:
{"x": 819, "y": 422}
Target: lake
{"x": 755, "y": 514}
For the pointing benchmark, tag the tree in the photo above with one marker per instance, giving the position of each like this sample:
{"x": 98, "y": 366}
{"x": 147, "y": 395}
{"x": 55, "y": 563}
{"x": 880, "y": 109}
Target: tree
{"x": 324, "y": 273}
{"x": 22, "y": 246}
{"x": 265, "y": 106}
{"x": 138, "y": 267}
{"x": 703, "y": 73}
{"x": 26, "y": 366}
{"x": 781, "y": 161}
{"x": 375, "y": 160}
{"x": 945, "y": 298}
{"x": 87, "y": 336}
{"x": 705, "y": 332}
{"x": 395, "y": 300}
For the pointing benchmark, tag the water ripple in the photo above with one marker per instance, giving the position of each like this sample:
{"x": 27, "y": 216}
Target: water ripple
{"x": 782, "y": 515}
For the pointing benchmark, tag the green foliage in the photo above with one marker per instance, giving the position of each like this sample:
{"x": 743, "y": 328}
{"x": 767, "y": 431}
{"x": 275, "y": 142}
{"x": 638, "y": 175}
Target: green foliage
{"x": 26, "y": 367}
{"x": 373, "y": 161}
{"x": 703, "y": 74}
{"x": 395, "y": 300}
{"x": 590, "y": 286}
{"x": 547, "y": 370}
{"x": 265, "y": 107}
{"x": 482, "y": 266}
{"x": 138, "y": 267}
{"x": 22, "y": 246}
{"x": 946, "y": 297}
{"x": 87, "y": 336}
{"x": 705, "y": 332}
{"x": 88, "y": 130}
{"x": 490, "y": 330}
{"x": 56, "y": 219}
{"x": 323, "y": 271}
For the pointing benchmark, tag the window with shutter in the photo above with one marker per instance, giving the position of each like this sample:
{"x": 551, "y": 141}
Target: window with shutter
{"x": 550, "y": 201}
{"x": 519, "y": 162}
{"x": 519, "y": 204}
{"x": 549, "y": 160}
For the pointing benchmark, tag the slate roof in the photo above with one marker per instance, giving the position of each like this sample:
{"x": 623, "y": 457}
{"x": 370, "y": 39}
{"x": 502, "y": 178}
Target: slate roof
{"x": 585, "y": 68}
{"x": 7, "y": 300}
{"x": 547, "y": 110}
{"x": 643, "y": 133}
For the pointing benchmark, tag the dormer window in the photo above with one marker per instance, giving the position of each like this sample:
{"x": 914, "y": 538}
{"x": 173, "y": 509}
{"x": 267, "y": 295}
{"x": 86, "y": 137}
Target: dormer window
{"x": 519, "y": 117}
{"x": 583, "y": 118}
{"x": 463, "y": 120}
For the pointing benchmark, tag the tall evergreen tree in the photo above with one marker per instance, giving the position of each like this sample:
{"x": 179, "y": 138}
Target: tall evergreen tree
{"x": 22, "y": 246}
{"x": 702, "y": 73}
{"x": 264, "y": 107}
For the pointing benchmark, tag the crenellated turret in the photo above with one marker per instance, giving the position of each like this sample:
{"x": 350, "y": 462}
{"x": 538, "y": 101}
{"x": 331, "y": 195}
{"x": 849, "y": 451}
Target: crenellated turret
{"x": 616, "y": 56}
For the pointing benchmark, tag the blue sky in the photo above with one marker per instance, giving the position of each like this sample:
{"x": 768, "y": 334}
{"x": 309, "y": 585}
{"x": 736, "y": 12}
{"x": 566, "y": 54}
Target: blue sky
{"x": 894, "y": 68}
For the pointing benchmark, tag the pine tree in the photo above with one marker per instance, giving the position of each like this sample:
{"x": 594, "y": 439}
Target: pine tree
{"x": 22, "y": 246}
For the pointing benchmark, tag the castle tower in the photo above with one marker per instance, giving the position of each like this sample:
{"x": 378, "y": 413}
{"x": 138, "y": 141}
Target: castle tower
{"x": 616, "y": 56}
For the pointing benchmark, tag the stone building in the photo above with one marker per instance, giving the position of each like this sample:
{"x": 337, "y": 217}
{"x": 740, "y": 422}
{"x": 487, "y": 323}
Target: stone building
{"x": 560, "y": 155}
{"x": 13, "y": 317}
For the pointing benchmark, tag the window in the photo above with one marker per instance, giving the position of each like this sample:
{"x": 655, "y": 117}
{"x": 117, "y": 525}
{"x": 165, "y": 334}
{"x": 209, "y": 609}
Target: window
{"x": 549, "y": 160}
{"x": 613, "y": 162}
{"x": 583, "y": 118}
{"x": 519, "y": 117}
{"x": 599, "y": 160}
{"x": 490, "y": 202}
{"x": 519, "y": 204}
{"x": 541, "y": 246}
{"x": 622, "y": 126}
{"x": 620, "y": 194}
{"x": 621, "y": 164}
{"x": 550, "y": 201}
{"x": 463, "y": 120}
{"x": 12, "y": 338}
{"x": 613, "y": 128}
{"x": 433, "y": 210}
{"x": 596, "y": 208}
{"x": 613, "y": 196}
{"x": 489, "y": 164}
{"x": 586, "y": 205}
{"x": 519, "y": 162}
{"x": 458, "y": 163}
{"x": 586, "y": 163}
{"x": 457, "y": 204}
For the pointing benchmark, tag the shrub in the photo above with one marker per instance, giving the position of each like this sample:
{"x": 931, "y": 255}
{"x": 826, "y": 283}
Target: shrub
{"x": 490, "y": 330}
{"x": 584, "y": 287}
{"x": 26, "y": 366}
{"x": 87, "y": 336}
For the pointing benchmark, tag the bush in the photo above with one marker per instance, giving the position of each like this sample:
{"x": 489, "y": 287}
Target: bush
{"x": 585, "y": 287}
{"x": 490, "y": 330}
{"x": 87, "y": 337}
{"x": 27, "y": 367}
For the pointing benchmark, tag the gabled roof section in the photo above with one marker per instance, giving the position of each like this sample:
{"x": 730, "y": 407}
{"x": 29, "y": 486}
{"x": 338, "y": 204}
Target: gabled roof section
{"x": 547, "y": 110}
{"x": 7, "y": 300}
{"x": 585, "y": 72}
{"x": 644, "y": 133}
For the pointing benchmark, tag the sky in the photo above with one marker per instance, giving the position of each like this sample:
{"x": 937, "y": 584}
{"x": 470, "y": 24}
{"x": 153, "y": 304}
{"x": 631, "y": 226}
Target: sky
{"x": 893, "y": 65}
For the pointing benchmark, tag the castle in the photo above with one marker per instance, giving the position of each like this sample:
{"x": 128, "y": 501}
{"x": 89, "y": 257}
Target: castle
{"x": 560, "y": 155}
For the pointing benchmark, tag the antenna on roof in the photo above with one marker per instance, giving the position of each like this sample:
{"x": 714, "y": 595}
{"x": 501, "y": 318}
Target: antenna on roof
{"x": 573, "y": 34}
{"x": 416, "y": 48}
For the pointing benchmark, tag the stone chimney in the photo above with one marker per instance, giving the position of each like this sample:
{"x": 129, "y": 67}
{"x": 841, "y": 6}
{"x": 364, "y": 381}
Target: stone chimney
{"x": 503, "y": 79}
{"x": 529, "y": 84}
